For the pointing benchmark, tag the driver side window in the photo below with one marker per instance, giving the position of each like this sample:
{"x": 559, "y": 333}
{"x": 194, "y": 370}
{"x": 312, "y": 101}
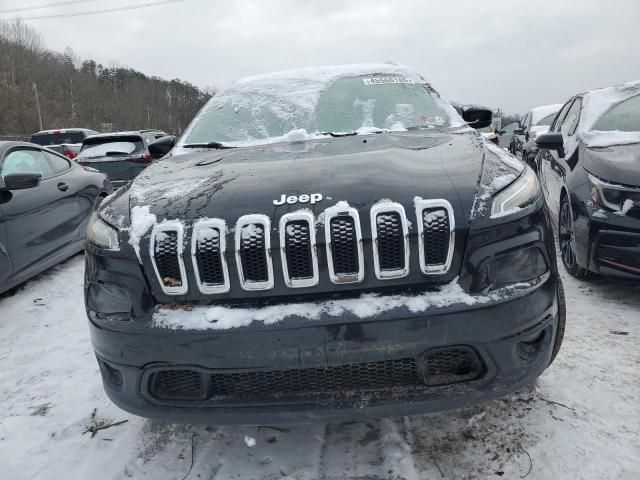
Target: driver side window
{"x": 22, "y": 161}
{"x": 509, "y": 128}
{"x": 570, "y": 123}
{"x": 560, "y": 117}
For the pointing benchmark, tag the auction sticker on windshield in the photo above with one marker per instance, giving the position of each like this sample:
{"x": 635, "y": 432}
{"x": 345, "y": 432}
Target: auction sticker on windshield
{"x": 387, "y": 80}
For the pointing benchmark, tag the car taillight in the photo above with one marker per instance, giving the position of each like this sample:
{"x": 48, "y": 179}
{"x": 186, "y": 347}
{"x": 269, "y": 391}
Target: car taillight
{"x": 144, "y": 158}
{"x": 70, "y": 154}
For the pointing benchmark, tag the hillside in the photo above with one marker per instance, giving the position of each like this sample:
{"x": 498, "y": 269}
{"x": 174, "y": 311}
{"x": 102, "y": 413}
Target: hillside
{"x": 82, "y": 93}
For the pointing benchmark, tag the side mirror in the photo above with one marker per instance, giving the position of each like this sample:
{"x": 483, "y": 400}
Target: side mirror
{"x": 477, "y": 117}
{"x": 22, "y": 180}
{"x": 163, "y": 145}
{"x": 551, "y": 141}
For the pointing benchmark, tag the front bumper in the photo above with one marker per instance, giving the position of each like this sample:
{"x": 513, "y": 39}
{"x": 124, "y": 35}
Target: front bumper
{"x": 608, "y": 243}
{"x": 512, "y": 335}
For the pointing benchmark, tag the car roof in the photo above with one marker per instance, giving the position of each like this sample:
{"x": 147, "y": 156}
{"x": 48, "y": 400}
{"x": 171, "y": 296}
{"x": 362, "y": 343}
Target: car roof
{"x": 62, "y": 130}
{"x": 129, "y": 133}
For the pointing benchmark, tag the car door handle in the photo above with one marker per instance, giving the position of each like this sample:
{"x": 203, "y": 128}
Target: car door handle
{"x": 63, "y": 187}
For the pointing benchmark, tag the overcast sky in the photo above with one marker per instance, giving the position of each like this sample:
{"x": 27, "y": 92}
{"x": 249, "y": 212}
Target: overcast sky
{"x": 508, "y": 54}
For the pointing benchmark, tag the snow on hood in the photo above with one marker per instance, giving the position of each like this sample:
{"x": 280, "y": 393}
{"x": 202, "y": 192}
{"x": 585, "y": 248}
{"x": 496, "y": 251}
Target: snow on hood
{"x": 594, "y": 104}
{"x": 599, "y": 139}
{"x": 538, "y": 113}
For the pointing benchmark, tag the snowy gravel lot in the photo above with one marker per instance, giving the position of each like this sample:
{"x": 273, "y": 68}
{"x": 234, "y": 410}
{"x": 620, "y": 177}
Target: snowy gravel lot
{"x": 580, "y": 421}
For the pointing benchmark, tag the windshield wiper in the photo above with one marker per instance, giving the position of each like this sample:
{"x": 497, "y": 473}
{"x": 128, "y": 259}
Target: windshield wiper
{"x": 216, "y": 145}
{"x": 335, "y": 135}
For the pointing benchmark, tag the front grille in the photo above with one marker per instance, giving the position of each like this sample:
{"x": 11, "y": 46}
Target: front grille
{"x": 209, "y": 256}
{"x": 390, "y": 241}
{"x": 438, "y": 367}
{"x": 298, "y": 249}
{"x": 253, "y": 253}
{"x": 344, "y": 245}
{"x": 436, "y": 226}
{"x": 209, "y": 259}
{"x": 390, "y": 237}
{"x": 298, "y": 245}
{"x": 166, "y": 253}
{"x": 436, "y": 236}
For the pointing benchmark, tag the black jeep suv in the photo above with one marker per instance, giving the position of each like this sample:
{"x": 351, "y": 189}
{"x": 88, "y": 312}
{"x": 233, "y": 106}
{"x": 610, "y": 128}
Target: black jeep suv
{"x": 323, "y": 244}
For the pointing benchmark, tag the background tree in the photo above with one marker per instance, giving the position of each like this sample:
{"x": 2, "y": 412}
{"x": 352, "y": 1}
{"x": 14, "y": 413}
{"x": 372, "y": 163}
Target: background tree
{"x": 76, "y": 92}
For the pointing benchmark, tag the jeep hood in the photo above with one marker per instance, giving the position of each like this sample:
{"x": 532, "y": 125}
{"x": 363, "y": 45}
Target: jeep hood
{"x": 358, "y": 170}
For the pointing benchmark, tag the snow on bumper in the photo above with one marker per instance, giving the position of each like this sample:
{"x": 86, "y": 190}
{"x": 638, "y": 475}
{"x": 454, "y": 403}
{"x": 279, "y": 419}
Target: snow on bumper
{"x": 494, "y": 330}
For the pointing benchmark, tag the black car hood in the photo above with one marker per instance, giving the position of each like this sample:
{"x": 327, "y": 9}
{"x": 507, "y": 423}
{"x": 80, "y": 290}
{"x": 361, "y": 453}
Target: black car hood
{"x": 617, "y": 164}
{"x": 359, "y": 170}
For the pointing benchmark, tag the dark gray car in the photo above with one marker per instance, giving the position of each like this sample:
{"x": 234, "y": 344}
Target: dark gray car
{"x": 122, "y": 155}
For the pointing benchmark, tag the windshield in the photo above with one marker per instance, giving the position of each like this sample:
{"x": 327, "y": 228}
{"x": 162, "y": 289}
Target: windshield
{"x": 546, "y": 121}
{"x": 249, "y": 113}
{"x": 111, "y": 147}
{"x": 624, "y": 117}
{"x": 57, "y": 138}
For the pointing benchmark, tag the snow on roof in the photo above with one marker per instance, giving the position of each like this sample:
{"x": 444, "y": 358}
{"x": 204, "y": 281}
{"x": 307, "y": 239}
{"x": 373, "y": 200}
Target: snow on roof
{"x": 331, "y": 73}
{"x": 538, "y": 113}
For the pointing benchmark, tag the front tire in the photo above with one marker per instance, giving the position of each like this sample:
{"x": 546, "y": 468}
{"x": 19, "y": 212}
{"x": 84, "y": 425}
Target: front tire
{"x": 566, "y": 239}
{"x": 562, "y": 321}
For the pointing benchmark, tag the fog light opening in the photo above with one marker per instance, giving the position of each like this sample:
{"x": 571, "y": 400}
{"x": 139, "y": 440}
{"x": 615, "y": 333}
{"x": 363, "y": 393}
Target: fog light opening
{"x": 530, "y": 349}
{"x": 111, "y": 375}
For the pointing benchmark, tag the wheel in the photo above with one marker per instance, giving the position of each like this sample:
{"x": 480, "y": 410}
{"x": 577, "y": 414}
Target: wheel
{"x": 567, "y": 240}
{"x": 562, "y": 321}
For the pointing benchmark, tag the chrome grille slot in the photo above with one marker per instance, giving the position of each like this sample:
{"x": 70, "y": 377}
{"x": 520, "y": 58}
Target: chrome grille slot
{"x": 298, "y": 244}
{"x": 253, "y": 252}
{"x": 436, "y": 225}
{"x": 390, "y": 239}
{"x": 166, "y": 255}
{"x": 208, "y": 253}
{"x": 343, "y": 239}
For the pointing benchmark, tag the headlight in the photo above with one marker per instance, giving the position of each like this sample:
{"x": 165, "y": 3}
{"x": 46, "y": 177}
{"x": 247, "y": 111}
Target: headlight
{"x": 101, "y": 234}
{"x": 524, "y": 191}
{"x": 611, "y": 195}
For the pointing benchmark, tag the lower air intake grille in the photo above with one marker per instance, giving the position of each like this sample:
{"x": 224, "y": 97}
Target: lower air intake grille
{"x": 438, "y": 367}
{"x": 361, "y": 376}
{"x": 344, "y": 245}
{"x": 166, "y": 258}
{"x": 298, "y": 251}
{"x": 253, "y": 254}
{"x": 436, "y": 236}
{"x": 177, "y": 385}
{"x": 452, "y": 365}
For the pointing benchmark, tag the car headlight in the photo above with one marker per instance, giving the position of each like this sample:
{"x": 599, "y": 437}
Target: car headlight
{"x": 521, "y": 193}
{"x": 101, "y": 234}
{"x": 611, "y": 195}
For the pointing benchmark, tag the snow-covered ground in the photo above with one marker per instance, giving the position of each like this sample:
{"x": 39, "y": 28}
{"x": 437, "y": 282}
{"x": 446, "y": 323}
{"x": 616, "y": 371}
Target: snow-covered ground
{"x": 580, "y": 421}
